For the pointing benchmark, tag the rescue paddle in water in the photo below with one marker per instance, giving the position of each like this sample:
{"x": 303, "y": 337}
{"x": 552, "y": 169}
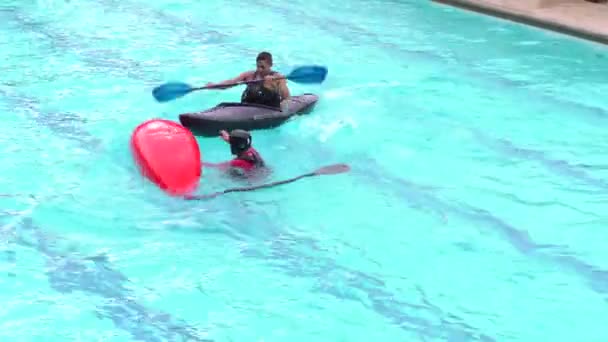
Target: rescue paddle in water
{"x": 326, "y": 170}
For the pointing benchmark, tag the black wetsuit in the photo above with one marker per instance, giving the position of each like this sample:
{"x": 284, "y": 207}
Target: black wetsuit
{"x": 258, "y": 94}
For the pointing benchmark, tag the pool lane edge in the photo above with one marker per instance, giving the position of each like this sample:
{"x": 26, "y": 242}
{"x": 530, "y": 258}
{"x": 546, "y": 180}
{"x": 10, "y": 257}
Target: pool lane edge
{"x": 529, "y": 18}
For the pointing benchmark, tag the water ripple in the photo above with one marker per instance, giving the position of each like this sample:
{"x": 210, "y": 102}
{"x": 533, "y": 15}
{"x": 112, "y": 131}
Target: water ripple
{"x": 562, "y": 167}
{"x": 67, "y": 273}
{"x": 520, "y": 240}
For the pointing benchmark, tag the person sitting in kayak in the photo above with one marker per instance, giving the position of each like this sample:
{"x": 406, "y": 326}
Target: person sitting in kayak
{"x": 270, "y": 92}
{"x": 247, "y": 159}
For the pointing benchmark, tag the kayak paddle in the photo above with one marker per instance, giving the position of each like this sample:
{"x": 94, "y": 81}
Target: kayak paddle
{"x": 304, "y": 74}
{"x": 326, "y": 170}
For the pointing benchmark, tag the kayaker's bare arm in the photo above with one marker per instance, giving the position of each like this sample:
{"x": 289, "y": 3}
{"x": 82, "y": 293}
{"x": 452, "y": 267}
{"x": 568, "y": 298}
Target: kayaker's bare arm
{"x": 283, "y": 89}
{"x": 284, "y": 92}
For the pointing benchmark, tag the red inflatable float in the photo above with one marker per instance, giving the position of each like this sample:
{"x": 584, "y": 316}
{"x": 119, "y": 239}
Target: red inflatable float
{"x": 167, "y": 154}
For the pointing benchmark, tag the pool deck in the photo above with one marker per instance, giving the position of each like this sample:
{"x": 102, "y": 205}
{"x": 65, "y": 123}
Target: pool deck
{"x": 579, "y": 18}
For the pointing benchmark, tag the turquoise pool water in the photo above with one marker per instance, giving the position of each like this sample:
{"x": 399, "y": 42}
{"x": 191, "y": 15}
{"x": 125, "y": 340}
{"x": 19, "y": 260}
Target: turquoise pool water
{"x": 475, "y": 208}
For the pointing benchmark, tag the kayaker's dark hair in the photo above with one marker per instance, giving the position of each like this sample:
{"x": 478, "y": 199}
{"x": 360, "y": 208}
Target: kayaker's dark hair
{"x": 264, "y": 56}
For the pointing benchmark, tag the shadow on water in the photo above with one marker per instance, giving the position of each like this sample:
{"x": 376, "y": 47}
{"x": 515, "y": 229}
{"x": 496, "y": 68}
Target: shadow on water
{"x": 520, "y": 240}
{"x": 282, "y": 250}
{"x": 103, "y": 60}
{"x": 186, "y": 32}
{"x": 367, "y": 290}
{"x": 68, "y": 126}
{"x": 558, "y": 166}
{"x": 68, "y": 272}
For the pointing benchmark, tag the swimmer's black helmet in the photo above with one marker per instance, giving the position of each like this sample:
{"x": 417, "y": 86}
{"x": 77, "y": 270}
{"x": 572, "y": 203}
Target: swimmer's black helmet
{"x": 240, "y": 141}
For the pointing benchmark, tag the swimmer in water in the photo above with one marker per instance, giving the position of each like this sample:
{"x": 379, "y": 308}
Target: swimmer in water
{"x": 247, "y": 160}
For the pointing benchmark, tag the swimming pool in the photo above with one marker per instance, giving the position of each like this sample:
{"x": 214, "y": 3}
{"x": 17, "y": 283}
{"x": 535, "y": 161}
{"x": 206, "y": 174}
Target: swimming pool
{"x": 473, "y": 210}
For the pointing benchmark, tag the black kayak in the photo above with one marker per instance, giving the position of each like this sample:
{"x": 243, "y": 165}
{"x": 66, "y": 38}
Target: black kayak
{"x": 236, "y": 115}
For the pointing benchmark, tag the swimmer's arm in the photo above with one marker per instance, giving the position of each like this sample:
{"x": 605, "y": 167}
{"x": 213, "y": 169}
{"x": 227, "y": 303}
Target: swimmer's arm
{"x": 222, "y": 166}
{"x": 225, "y": 136}
{"x": 230, "y": 83}
{"x": 233, "y": 166}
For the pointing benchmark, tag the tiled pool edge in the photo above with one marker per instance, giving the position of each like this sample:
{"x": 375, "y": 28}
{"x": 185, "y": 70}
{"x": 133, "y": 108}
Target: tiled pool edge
{"x": 529, "y": 18}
